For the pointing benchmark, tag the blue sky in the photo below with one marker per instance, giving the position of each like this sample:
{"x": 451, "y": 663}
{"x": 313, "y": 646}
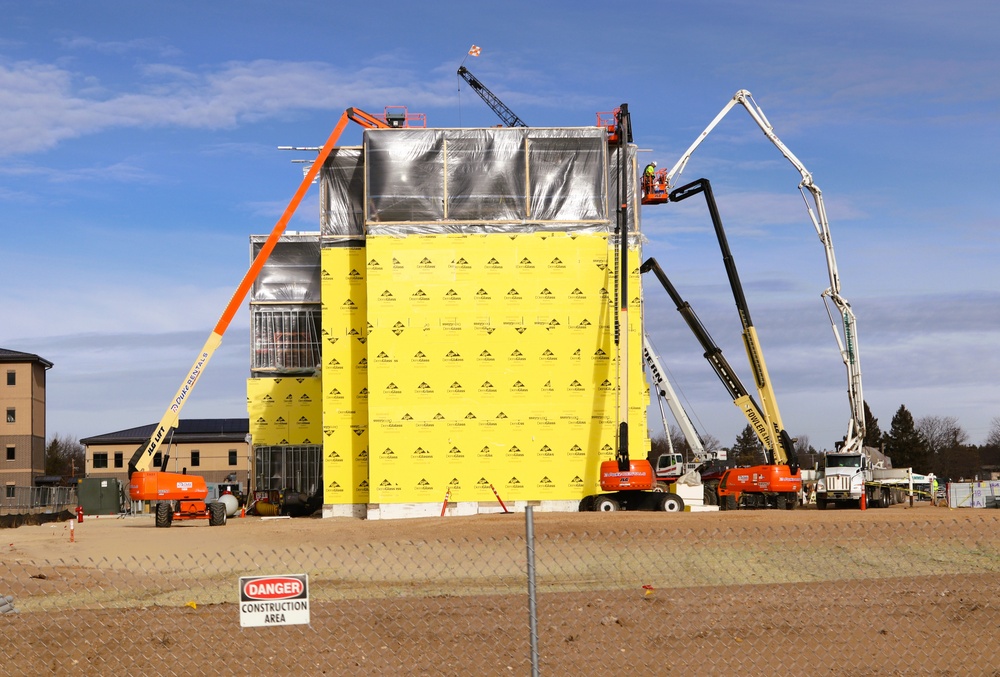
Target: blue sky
{"x": 138, "y": 153}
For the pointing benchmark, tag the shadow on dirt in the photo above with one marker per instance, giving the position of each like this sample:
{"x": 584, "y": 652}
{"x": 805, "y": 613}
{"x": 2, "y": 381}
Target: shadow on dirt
{"x": 34, "y": 519}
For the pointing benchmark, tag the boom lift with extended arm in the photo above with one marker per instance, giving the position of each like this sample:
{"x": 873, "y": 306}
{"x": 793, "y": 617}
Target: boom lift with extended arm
{"x": 773, "y": 484}
{"x": 179, "y": 495}
{"x": 781, "y": 474}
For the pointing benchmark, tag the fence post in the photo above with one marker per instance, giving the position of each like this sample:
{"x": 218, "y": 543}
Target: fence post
{"x": 529, "y": 520}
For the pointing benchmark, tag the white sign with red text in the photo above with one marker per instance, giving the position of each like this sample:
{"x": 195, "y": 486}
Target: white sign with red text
{"x": 282, "y": 599}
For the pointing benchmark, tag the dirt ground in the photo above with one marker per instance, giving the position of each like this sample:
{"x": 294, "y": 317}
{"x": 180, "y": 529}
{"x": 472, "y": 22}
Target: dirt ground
{"x": 902, "y": 590}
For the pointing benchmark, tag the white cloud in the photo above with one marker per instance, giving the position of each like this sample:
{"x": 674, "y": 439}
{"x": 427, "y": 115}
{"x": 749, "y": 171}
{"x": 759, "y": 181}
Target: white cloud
{"x": 45, "y": 104}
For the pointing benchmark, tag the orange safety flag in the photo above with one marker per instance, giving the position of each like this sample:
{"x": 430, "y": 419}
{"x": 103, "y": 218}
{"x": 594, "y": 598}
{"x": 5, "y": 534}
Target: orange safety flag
{"x": 475, "y": 51}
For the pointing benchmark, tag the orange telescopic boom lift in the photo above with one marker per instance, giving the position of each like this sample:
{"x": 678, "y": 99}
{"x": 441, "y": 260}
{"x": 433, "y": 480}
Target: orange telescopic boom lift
{"x": 182, "y": 496}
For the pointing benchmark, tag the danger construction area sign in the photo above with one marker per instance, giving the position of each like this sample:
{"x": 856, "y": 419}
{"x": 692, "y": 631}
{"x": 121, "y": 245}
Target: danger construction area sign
{"x": 274, "y": 600}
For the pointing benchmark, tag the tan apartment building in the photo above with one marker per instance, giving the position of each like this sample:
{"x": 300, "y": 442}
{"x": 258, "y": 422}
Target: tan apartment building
{"x": 22, "y": 430}
{"x": 214, "y": 448}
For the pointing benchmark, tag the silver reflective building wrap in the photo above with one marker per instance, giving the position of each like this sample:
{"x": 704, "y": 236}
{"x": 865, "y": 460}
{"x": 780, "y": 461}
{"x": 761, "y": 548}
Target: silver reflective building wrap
{"x": 485, "y": 180}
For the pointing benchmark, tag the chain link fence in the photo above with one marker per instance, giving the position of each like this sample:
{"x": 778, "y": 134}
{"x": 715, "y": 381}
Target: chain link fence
{"x": 903, "y": 597}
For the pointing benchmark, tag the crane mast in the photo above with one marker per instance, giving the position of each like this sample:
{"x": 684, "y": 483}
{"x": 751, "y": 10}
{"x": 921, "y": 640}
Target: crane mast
{"x": 846, "y": 335}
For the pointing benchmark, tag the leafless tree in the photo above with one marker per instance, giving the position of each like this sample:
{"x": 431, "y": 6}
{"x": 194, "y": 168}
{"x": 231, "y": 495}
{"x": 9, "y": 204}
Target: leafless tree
{"x": 993, "y": 437}
{"x": 941, "y": 433}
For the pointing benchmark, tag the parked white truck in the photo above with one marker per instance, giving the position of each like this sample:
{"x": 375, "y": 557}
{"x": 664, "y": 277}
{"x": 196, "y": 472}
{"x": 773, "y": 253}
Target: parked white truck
{"x": 844, "y": 475}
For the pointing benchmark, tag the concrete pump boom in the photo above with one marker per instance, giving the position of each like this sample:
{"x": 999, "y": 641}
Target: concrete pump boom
{"x": 846, "y": 335}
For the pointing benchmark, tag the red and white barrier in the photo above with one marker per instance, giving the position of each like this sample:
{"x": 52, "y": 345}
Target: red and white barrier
{"x": 499, "y": 500}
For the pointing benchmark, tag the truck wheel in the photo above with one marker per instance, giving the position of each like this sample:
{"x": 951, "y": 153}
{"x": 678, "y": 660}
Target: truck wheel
{"x": 820, "y": 503}
{"x": 216, "y": 514}
{"x": 605, "y": 504}
{"x": 671, "y": 503}
{"x": 781, "y": 503}
{"x": 587, "y": 504}
{"x": 727, "y": 503}
{"x": 164, "y": 514}
{"x": 793, "y": 501}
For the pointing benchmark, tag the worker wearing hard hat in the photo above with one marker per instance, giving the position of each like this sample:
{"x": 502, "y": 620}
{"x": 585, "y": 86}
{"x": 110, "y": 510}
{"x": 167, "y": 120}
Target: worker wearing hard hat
{"x": 647, "y": 177}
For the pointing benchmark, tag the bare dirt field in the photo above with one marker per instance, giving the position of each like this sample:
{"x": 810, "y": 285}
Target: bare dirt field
{"x": 902, "y": 590}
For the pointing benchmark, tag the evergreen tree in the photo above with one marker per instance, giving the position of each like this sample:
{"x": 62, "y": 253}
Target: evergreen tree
{"x": 747, "y": 450}
{"x": 873, "y": 435}
{"x": 904, "y": 445}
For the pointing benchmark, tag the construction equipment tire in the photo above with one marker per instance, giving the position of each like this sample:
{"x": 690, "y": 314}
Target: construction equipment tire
{"x": 216, "y": 514}
{"x": 164, "y": 514}
{"x": 671, "y": 503}
{"x": 605, "y": 504}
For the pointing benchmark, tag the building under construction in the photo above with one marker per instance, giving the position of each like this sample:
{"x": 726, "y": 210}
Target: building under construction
{"x": 452, "y": 331}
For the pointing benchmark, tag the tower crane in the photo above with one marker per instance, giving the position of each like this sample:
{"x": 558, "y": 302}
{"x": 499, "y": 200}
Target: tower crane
{"x": 508, "y": 116}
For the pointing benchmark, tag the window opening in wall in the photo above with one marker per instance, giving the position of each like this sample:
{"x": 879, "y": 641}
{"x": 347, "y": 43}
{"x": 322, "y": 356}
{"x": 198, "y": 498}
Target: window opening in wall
{"x": 232, "y": 457}
{"x": 100, "y": 460}
{"x": 119, "y": 459}
{"x": 10, "y": 490}
{"x": 11, "y": 378}
{"x": 11, "y": 415}
{"x": 11, "y": 453}
{"x": 296, "y": 468}
{"x": 286, "y": 340}
{"x": 195, "y": 458}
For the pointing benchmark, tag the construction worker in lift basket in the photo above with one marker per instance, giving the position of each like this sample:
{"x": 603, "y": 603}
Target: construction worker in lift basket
{"x": 647, "y": 177}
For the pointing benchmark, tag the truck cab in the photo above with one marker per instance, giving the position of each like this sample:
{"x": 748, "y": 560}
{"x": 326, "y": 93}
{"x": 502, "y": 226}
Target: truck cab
{"x": 843, "y": 476}
{"x": 669, "y": 467}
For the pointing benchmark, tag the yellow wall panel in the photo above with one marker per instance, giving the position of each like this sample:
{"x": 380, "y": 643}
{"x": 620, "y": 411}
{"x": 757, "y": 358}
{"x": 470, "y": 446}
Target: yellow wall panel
{"x": 345, "y": 376}
{"x": 493, "y": 364}
{"x": 285, "y": 411}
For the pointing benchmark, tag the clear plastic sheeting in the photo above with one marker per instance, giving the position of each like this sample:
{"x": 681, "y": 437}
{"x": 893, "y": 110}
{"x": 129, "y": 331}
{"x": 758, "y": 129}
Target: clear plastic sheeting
{"x": 285, "y": 339}
{"x": 292, "y": 271}
{"x": 508, "y": 179}
{"x": 341, "y": 198}
{"x": 477, "y": 191}
{"x": 567, "y": 178}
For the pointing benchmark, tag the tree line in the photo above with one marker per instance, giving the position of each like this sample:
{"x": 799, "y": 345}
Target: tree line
{"x": 930, "y": 444}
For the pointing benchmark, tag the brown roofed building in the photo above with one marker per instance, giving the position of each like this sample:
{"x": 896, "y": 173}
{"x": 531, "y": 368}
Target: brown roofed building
{"x": 22, "y": 428}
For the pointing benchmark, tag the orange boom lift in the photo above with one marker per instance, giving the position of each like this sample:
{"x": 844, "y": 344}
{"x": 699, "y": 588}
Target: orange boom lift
{"x": 182, "y": 496}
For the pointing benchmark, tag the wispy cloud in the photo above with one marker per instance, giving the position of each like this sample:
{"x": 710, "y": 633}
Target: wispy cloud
{"x": 157, "y": 46}
{"x": 45, "y": 104}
